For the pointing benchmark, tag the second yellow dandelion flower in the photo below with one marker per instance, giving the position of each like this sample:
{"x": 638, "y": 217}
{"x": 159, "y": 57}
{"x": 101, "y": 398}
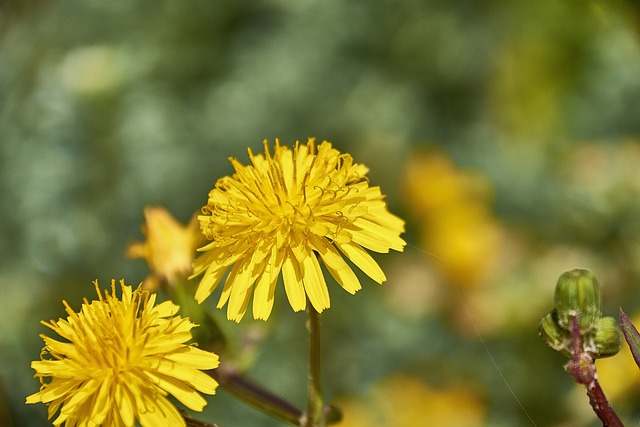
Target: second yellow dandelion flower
{"x": 284, "y": 213}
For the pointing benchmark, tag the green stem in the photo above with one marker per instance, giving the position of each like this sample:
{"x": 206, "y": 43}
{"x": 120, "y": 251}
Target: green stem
{"x": 315, "y": 416}
{"x": 256, "y": 396}
{"x": 192, "y": 422}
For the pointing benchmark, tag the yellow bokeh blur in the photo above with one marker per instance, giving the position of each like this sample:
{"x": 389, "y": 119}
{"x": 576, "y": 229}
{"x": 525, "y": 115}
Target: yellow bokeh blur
{"x": 404, "y": 401}
{"x": 453, "y": 211}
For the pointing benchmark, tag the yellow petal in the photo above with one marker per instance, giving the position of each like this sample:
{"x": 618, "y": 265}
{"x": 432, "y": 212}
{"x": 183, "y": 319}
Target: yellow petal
{"x": 195, "y": 378}
{"x": 375, "y": 237}
{"x": 163, "y": 415}
{"x": 101, "y": 404}
{"x": 263, "y": 294}
{"x": 137, "y": 250}
{"x": 363, "y": 260}
{"x": 125, "y": 403}
{"x": 386, "y": 219}
{"x": 165, "y": 309}
{"x": 80, "y": 396}
{"x": 314, "y": 283}
{"x": 83, "y": 390}
{"x": 209, "y": 283}
{"x": 185, "y": 394}
{"x": 293, "y": 282}
{"x": 195, "y": 357}
{"x": 238, "y": 304}
{"x": 235, "y": 292}
{"x": 337, "y": 267}
{"x": 33, "y": 398}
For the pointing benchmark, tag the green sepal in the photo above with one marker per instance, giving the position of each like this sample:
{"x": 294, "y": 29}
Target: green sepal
{"x": 607, "y": 338}
{"x": 556, "y": 337}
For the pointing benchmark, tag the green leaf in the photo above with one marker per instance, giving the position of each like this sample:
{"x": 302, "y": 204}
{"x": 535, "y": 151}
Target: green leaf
{"x": 631, "y": 335}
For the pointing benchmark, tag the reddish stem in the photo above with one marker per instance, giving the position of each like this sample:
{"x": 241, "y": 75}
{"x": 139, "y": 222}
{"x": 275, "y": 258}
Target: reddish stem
{"x": 601, "y": 406}
{"x": 584, "y": 372}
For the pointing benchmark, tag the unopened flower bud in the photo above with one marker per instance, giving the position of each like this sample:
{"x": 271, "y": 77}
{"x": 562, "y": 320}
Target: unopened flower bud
{"x": 607, "y": 338}
{"x": 556, "y": 337}
{"x": 578, "y": 294}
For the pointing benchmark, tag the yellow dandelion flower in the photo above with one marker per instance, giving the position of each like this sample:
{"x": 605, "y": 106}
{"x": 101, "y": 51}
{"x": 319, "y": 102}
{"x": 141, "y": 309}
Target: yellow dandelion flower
{"x": 284, "y": 213}
{"x": 120, "y": 360}
{"x": 169, "y": 249}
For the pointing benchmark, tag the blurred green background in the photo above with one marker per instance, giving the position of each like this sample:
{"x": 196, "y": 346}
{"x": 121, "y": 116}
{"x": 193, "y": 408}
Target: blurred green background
{"x": 507, "y": 134}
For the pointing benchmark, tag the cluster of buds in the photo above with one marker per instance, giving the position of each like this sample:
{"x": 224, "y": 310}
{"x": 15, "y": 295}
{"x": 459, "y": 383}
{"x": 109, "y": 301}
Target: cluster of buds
{"x": 576, "y": 323}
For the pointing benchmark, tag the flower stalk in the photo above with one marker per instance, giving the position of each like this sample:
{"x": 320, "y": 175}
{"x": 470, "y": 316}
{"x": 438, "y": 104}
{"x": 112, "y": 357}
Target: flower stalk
{"x": 601, "y": 406}
{"x": 315, "y": 416}
{"x": 255, "y": 395}
{"x": 192, "y": 422}
{"x": 583, "y": 369}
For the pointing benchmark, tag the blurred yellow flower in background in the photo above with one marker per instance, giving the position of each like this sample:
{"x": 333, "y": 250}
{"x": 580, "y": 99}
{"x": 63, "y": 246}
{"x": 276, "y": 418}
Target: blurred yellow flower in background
{"x": 619, "y": 375}
{"x": 403, "y": 401}
{"x": 452, "y": 207}
{"x": 121, "y": 359}
{"x": 283, "y": 213}
{"x": 169, "y": 249}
